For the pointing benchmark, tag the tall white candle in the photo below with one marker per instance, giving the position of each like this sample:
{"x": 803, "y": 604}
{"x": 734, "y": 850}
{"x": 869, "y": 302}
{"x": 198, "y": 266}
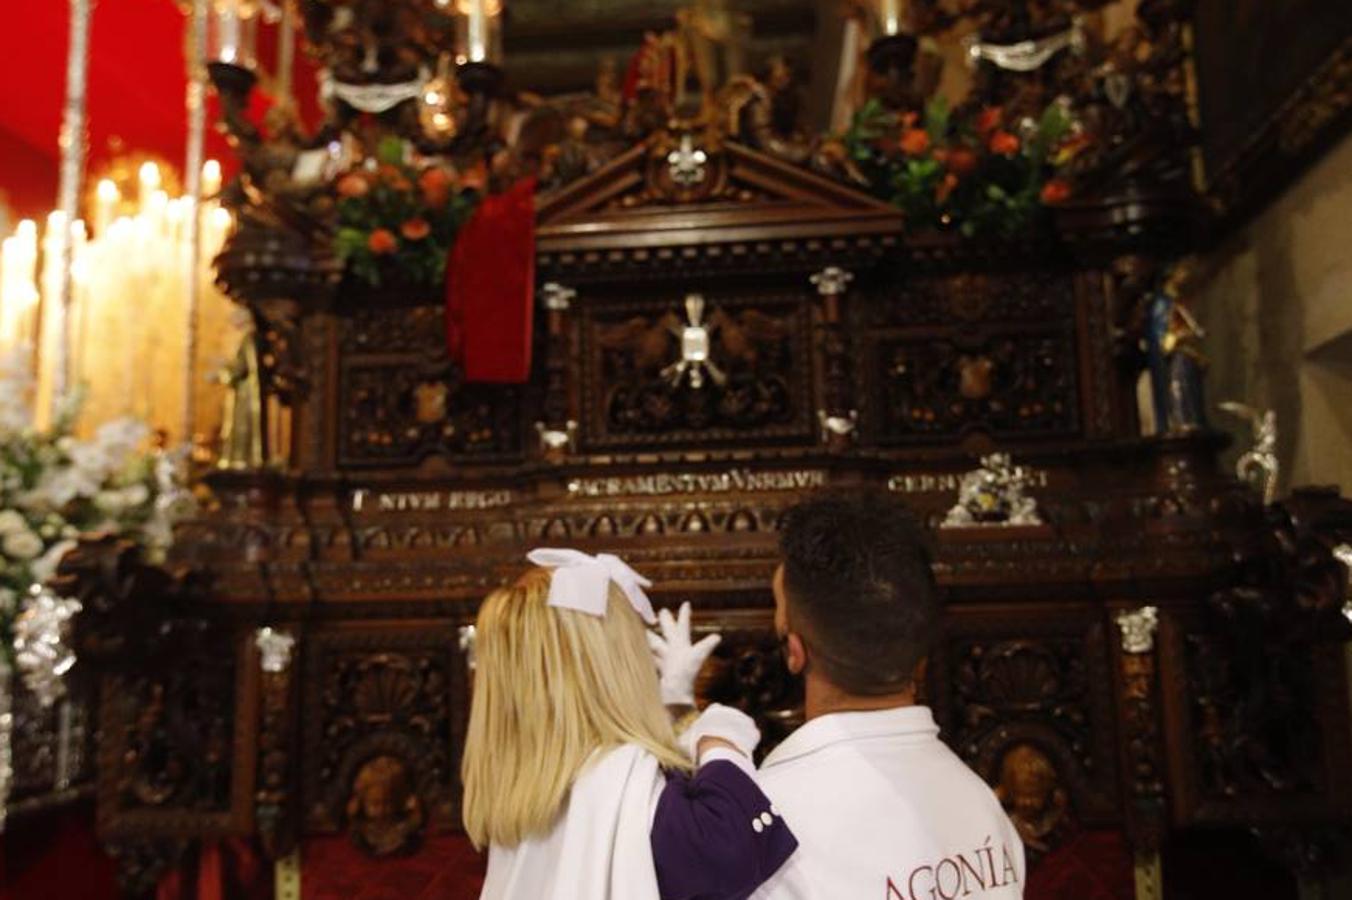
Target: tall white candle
{"x": 227, "y": 34}
{"x": 211, "y": 178}
{"x": 478, "y": 31}
{"x": 148, "y": 179}
{"x": 18, "y": 285}
{"x": 105, "y": 205}
{"x": 889, "y": 15}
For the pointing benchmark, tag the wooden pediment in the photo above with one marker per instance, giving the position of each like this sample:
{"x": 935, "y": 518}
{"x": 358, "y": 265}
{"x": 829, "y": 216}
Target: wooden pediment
{"x": 734, "y": 194}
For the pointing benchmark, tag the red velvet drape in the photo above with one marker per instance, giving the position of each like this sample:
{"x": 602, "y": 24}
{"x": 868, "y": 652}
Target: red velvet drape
{"x": 490, "y": 294}
{"x": 446, "y": 867}
{"x": 55, "y": 856}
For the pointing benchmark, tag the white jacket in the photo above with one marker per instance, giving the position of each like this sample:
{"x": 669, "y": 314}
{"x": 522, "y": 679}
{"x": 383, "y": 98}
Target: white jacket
{"x": 883, "y": 810}
{"x": 601, "y": 851}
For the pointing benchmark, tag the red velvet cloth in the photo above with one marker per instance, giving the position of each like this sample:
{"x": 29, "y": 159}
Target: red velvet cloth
{"x": 446, "y": 867}
{"x": 490, "y": 292}
{"x": 55, "y": 856}
{"x": 1092, "y": 865}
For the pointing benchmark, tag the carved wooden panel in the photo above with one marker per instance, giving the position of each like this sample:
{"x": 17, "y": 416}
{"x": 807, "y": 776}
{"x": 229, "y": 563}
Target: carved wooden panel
{"x": 1032, "y": 685}
{"x": 747, "y": 672}
{"x": 1255, "y": 728}
{"x": 401, "y": 400}
{"x": 667, "y": 371}
{"x": 382, "y": 728}
{"x": 176, "y": 754}
{"x": 945, "y": 355}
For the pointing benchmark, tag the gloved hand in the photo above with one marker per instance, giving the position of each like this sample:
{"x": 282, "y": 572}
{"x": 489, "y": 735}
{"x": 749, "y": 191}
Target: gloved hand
{"x": 717, "y": 720}
{"x": 678, "y": 661}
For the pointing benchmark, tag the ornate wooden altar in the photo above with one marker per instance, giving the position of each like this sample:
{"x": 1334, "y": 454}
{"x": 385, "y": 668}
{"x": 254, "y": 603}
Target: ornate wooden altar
{"x": 1158, "y": 657}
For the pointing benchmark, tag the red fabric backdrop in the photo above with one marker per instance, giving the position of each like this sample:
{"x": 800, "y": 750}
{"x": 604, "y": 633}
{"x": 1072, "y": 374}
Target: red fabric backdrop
{"x": 136, "y": 90}
{"x": 445, "y": 868}
{"x": 55, "y": 856}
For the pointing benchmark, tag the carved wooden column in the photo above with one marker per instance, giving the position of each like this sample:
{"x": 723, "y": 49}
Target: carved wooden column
{"x": 837, "y": 416}
{"x": 1141, "y": 745}
{"x": 557, "y": 429}
{"x": 274, "y": 808}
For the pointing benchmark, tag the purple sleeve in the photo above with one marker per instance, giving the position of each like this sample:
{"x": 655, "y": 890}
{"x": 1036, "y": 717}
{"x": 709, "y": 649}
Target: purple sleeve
{"x": 715, "y": 836}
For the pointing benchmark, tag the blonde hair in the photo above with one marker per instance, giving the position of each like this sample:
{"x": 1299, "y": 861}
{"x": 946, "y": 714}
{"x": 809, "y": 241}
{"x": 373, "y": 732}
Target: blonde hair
{"x": 550, "y": 687}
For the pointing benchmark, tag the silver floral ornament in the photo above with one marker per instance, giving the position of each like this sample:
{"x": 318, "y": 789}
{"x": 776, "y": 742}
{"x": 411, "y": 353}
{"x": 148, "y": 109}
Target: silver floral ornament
{"x": 41, "y": 652}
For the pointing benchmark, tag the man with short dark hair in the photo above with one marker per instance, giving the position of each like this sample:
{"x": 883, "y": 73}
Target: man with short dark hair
{"x": 881, "y": 807}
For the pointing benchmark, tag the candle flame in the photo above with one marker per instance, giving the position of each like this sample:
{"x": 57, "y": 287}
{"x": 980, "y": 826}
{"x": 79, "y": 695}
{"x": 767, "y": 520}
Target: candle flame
{"x": 149, "y": 176}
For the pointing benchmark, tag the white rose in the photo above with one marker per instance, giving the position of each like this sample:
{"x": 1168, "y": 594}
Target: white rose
{"x": 12, "y": 520}
{"x": 22, "y": 545}
{"x": 135, "y": 494}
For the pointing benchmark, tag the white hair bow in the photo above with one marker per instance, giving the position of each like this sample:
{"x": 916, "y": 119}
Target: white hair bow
{"x": 582, "y": 581}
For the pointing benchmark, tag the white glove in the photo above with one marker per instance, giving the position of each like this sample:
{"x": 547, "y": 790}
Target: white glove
{"x": 679, "y": 662}
{"x": 719, "y": 721}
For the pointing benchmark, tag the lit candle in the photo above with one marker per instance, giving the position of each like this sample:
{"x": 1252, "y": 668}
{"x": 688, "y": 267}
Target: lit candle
{"x": 889, "y": 14}
{"x": 18, "y": 284}
{"x": 105, "y": 206}
{"x": 52, "y": 343}
{"x": 221, "y": 222}
{"x": 478, "y": 32}
{"x": 211, "y": 178}
{"x": 149, "y": 180}
{"x": 478, "y": 19}
{"x": 227, "y": 34}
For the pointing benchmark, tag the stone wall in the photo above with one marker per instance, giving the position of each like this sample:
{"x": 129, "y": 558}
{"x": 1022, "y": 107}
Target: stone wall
{"x": 1276, "y": 300}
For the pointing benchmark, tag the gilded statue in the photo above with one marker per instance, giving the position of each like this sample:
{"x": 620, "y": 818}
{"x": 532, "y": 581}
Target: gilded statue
{"x": 242, "y": 435}
{"x": 710, "y": 40}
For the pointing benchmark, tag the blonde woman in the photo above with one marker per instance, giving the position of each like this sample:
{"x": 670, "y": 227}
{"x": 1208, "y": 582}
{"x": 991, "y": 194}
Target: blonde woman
{"x": 574, "y": 777}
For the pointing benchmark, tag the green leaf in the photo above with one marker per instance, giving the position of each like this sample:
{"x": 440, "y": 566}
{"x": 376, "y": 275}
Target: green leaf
{"x": 937, "y": 116}
{"x": 390, "y": 150}
{"x": 348, "y": 241}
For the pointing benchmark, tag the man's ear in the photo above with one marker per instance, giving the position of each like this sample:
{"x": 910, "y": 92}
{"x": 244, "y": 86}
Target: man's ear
{"x": 795, "y": 653}
{"x": 918, "y": 676}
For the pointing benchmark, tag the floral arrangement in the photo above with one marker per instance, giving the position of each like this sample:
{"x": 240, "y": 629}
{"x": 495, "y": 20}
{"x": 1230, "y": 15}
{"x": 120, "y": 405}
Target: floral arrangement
{"x": 55, "y": 487}
{"x": 397, "y": 220}
{"x": 994, "y": 494}
{"x": 978, "y": 173}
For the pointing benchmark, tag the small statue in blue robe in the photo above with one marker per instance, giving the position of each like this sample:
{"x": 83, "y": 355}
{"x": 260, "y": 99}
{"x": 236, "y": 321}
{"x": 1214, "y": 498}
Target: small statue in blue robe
{"x": 1174, "y": 355}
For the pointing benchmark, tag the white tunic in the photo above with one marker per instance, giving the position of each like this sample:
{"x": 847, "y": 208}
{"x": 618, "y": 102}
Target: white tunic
{"x": 600, "y": 847}
{"x": 883, "y": 810}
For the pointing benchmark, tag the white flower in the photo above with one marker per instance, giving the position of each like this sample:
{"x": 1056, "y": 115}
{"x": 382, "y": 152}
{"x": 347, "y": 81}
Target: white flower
{"x": 118, "y": 439}
{"x": 135, "y": 494}
{"x": 91, "y": 459}
{"x": 12, "y": 520}
{"x": 60, "y": 486}
{"x": 110, "y": 502}
{"x": 44, "y": 567}
{"x": 22, "y": 545}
